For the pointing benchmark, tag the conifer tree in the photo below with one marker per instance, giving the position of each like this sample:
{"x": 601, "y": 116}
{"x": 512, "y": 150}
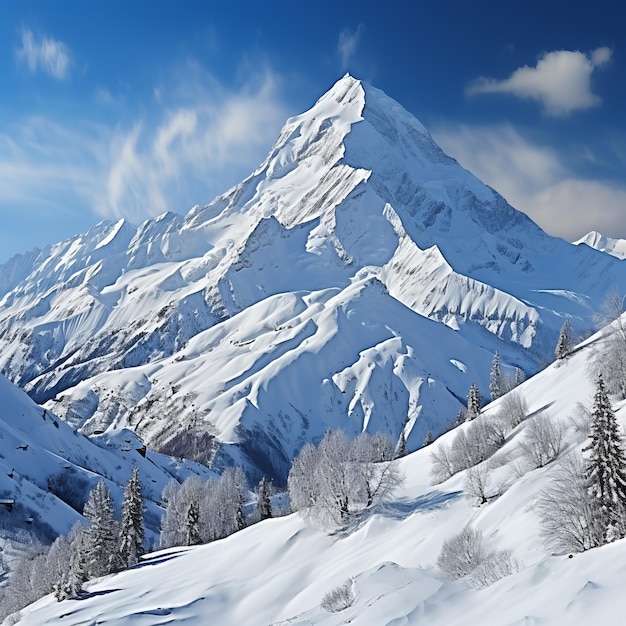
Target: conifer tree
{"x": 401, "y": 447}
{"x": 605, "y": 467}
{"x": 564, "y": 343}
{"x": 520, "y": 377}
{"x": 428, "y": 439}
{"x": 473, "y": 402}
{"x": 192, "y": 524}
{"x": 264, "y": 504}
{"x": 132, "y": 530}
{"x": 496, "y": 387}
{"x": 99, "y": 541}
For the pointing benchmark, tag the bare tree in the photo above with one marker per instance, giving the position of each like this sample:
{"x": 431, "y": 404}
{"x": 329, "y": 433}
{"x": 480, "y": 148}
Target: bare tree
{"x": 610, "y": 357}
{"x": 476, "y": 480}
{"x": 513, "y": 409}
{"x": 341, "y": 477}
{"x": 571, "y": 521}
{"x": 442, "y": 463}
{"x": 543, "y": 440}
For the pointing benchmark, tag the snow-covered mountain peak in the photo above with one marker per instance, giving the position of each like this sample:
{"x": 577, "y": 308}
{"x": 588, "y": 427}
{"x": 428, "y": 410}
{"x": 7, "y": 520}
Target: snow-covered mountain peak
{"x": 598, "y": 241}
{"x": 353, "y": 188}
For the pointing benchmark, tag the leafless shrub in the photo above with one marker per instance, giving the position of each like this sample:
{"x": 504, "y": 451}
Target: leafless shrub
{"x": 497, "y": 565}
{"x": 340, "y": 598}
{"x": 462, "y": 554}
{"x": 465, "y": 556}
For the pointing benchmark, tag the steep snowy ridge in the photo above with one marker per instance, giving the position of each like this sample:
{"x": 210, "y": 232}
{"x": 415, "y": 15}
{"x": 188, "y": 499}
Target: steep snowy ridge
{"x": 278, "y": 571}
{"x": 594, "y": 239}
{"x": 353, "y": 191}
{"x": 47, "y": 468}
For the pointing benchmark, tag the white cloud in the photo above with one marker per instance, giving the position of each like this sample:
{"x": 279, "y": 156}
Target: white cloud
{"x": 347, "y": 45}
{"x": 561, "y": 81}
{"x": 45, "y": 54}
{"x": 200, "y": 138}
{"x": 534, "y": 180}
{"x": 210, "y": 139}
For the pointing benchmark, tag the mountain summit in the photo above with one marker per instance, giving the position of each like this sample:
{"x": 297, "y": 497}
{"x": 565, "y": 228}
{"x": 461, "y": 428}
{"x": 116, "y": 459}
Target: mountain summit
{"x": 358, "y": 279}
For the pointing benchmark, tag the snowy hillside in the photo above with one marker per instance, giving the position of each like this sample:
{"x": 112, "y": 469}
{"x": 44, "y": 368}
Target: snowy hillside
{"x": 298, "y": 299}
{"x": 278, "y": 571}
{"x": 615, "y": 247}
{"x": 47, "y": 469}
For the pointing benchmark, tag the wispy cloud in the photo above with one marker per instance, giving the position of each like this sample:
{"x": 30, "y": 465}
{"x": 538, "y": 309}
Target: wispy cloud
{"x": 44, "y": 54}
{"x": 199, "y": 139}
{"x": 211, "y": 138}
{"x": 561, "y": 81}
{"x": 534, "y": 179}
{"x": 348, "y": 44}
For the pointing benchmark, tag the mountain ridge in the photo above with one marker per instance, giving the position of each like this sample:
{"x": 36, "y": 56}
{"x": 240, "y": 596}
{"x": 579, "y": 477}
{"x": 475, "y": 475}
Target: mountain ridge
{"x": 353, "y": 191}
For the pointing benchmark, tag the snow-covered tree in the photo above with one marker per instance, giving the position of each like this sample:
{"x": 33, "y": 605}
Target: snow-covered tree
{"x": 429, "y": 438}
{"x": 218, "y": 505}
{"x": 99, "y": 548}
{"x": 605, "y": 466}
{"x": 132, "y": 530}
{"x": 473, "y": 402}
{"x": 565, "y": 342}
{"x": 570, "y": 518}
{"x": 543, "y": 440}
{"x": 192, "y": 525}
{"x": 476, "y": 482}
{"x": 264, "y": 504}
{"x": 401, "y": 446}
{"x": 610, "y": 354}
{"x": 462, "y": 553}
{"x": 341, "y": 477}
{"x": 496, "y": 381}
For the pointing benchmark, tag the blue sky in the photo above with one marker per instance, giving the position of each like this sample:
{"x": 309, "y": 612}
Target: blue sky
{"x": 112, "y": 109}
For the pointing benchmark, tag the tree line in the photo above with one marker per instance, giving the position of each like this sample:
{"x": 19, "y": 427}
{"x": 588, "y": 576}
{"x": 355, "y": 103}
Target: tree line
{"x": 102, "y": 546}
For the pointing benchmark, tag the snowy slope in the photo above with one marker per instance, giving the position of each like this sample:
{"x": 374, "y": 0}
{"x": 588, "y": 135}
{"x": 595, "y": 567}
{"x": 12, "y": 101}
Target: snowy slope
{"x": 286, "y": 369}
{"x": 354, "y": 192}
{"x": 277, "y": 571}
{"x": 594, "y": 239}
{"x": 47, "y": 468}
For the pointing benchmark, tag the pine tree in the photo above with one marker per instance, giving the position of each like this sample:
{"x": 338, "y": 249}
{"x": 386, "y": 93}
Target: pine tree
{"x": 461, "y": 417}
{"x": 428, "y": 439}
{"x": 520, "y": 377}
{"x": 564, "y": 343}
{"x": 192, "y": 524}
{"x": 401, "y": 447}
{"x": 473, "y": 402}
{"x": 99, "y": 539}
{"x": 605, "y": 468}
{"x": 264, "y": 504}
{"x": 132, "y": 530}
{"x": 495, "y": 378}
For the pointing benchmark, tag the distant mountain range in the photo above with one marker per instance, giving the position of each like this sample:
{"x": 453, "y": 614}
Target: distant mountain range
{"x": 616, "y": 247}
{"x": 358, "y": 279}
